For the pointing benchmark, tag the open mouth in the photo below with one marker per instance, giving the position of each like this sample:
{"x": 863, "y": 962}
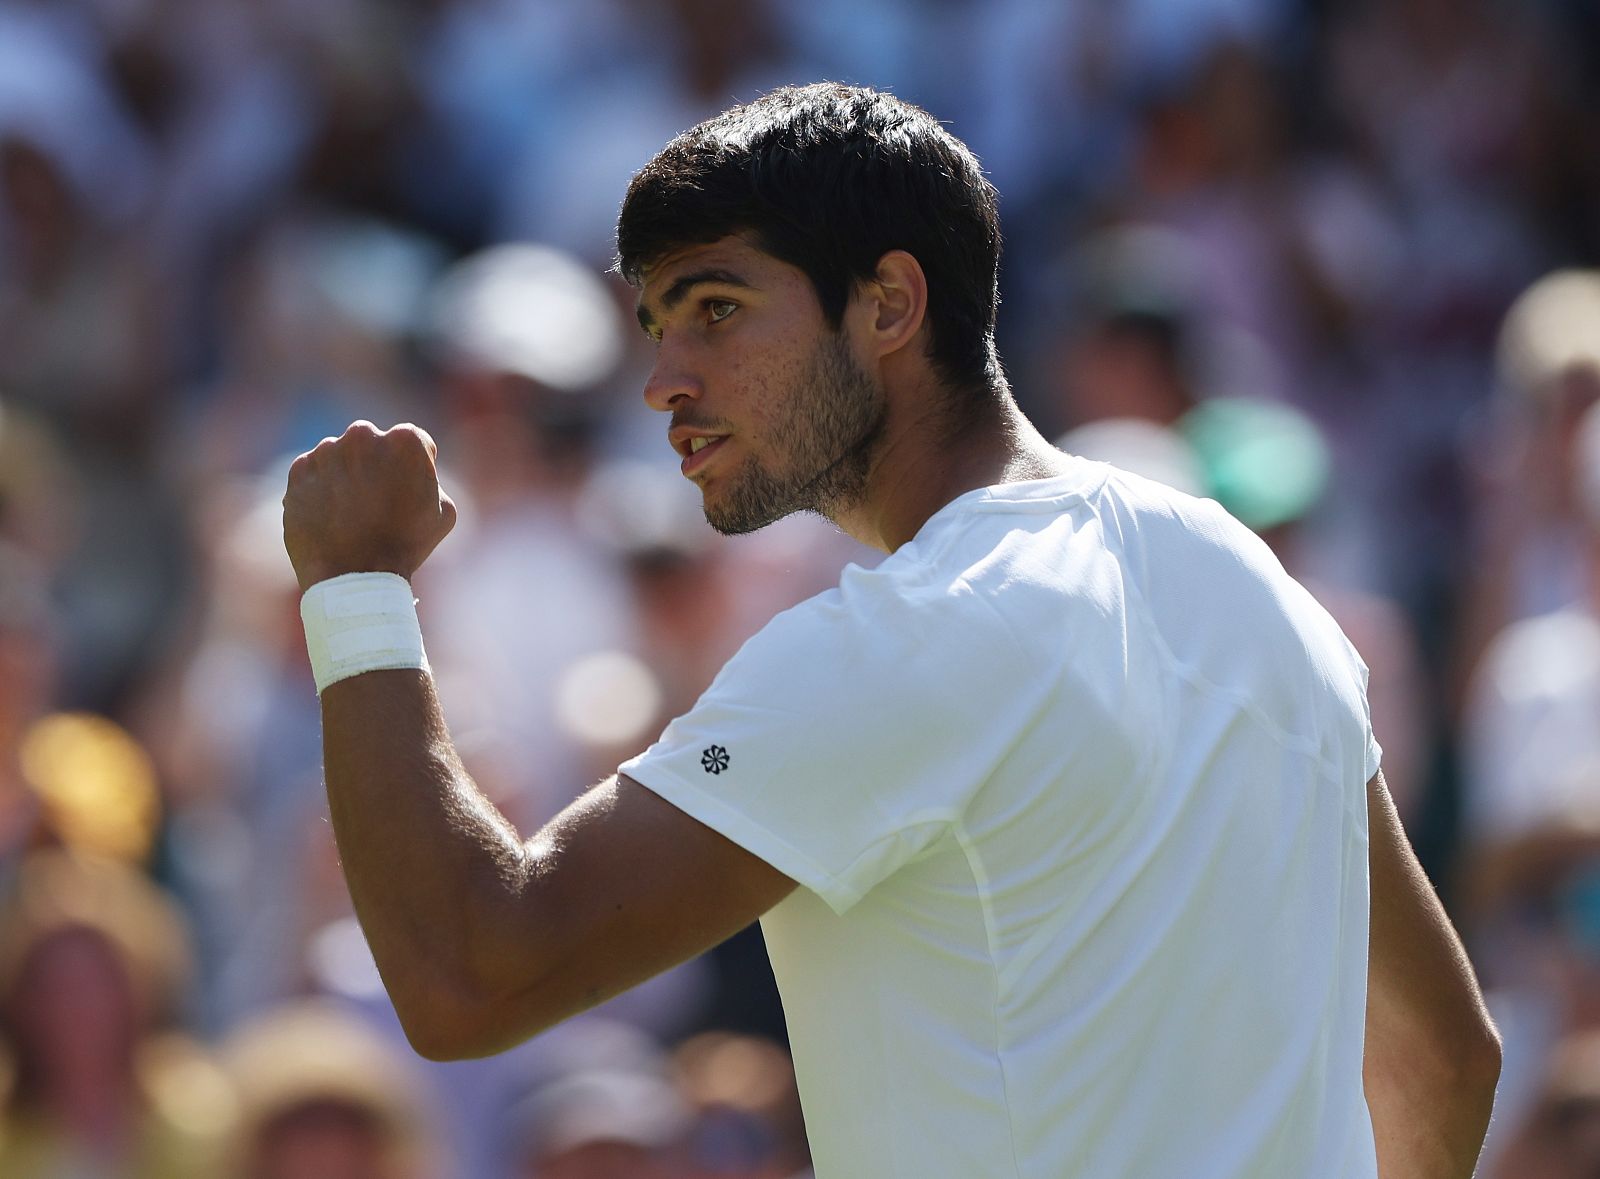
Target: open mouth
{"x": 701, "y": 448}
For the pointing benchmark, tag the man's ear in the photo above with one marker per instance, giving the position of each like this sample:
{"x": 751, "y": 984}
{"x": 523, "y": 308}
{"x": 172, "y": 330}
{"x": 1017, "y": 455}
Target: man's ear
{"x": 892, "y": 305}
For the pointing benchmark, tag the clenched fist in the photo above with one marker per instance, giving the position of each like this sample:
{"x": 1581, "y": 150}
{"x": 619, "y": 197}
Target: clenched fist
{"x": 368, "y": 501}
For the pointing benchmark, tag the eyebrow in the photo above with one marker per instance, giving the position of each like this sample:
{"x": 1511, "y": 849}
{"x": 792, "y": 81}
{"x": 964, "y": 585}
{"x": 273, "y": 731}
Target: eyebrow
{"x": 679, "y": 291}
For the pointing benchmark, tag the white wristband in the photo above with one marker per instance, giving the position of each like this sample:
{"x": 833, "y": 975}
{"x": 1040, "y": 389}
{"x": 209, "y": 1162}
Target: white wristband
{"x": 361, "y": 622}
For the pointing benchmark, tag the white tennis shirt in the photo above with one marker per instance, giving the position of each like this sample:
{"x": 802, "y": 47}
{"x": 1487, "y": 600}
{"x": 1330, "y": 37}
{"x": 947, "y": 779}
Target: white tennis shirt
{"x": 1074, "y": 784}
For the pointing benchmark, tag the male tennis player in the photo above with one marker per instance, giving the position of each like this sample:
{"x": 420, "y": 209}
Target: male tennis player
{"x": 1057, "y": 821}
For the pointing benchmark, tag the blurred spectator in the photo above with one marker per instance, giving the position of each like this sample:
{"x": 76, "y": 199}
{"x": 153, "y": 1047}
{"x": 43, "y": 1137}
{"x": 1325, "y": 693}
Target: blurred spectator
{"x": 520, "y": 594}
{"x": 601, "y": 1124}
{"x": 1446, "y": 103}
{"x": 1443, "y": 92}
{"x": 1532, "y": 922}
{"x": 323, "y": 1097}
{"x": 747, "y": 1122}
{"x": 1532, "y": 747}
{"x": 79, "y": 321}
{"x": 1535, "y": 907}
{"x": 238, "y": 740}
{"x": 1559, "y": 1138}
{"x": 1532, "y": 549}
{"x": 229, "y": 227}
{"x": 1532, "y": 777}
{"x": 315, "y": 325}
{"x": 1135, "y": 354}
{"x": 92, "y": 961}
{"x": 27, "y": 683}
{"x": 96, "y": 784}
{"x": 670, "y": 64}
{"x": 39, "y": 505}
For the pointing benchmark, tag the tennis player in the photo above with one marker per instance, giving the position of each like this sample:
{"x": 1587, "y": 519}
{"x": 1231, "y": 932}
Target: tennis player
{"x": 1064, "y": 824}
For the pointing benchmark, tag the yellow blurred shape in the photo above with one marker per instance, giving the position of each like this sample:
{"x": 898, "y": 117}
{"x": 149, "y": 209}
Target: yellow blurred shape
{"x": 97, "y": 784}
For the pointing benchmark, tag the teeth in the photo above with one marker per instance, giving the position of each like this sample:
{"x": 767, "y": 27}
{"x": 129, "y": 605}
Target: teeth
{"x": 696, "y": 445}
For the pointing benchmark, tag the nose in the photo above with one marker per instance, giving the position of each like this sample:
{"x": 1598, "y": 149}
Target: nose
{"x": 671, "y": 380}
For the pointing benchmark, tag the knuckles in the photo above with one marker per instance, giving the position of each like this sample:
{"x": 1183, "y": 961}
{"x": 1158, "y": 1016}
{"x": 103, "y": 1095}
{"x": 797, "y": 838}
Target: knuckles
{"x": 364, "y": 454}
{"x": 369, "y": 498}
{"x": 401, "y": 441}
{"x": 363, "y": 438}
{"x": 413, "y": 440}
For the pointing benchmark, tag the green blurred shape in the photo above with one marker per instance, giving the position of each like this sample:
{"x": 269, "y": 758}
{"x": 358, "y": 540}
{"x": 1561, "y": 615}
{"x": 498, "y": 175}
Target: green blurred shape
{"x": 1264, "y": 462}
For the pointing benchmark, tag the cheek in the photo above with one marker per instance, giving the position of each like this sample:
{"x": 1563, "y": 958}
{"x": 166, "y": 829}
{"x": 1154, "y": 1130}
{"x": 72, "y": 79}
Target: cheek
{"x": 777, "y": 383}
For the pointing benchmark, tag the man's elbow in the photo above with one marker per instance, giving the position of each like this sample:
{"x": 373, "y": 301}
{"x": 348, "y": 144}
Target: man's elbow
{"x": 1480, "y": 1058}
{"x": 435, "y": 1038}
{"x": 459, "y": 1023}
{"x": 446, "y": 1045}
{"x": 1463, "y": 1064}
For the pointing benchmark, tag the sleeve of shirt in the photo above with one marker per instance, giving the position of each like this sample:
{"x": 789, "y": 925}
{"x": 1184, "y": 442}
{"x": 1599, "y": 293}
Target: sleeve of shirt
{"x": 1374, "y": 755}
{"x": 848, "y": 735}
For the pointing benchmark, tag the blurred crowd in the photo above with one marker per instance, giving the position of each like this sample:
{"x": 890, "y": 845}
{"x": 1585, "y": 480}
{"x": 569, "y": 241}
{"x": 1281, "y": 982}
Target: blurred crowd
{"x": 1336, "y": 265}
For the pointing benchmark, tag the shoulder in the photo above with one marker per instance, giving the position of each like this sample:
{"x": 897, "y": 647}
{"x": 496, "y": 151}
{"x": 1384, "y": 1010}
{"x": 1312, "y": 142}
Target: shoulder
{"x": 906, "y": 613}
{"x": 954, "y": 607}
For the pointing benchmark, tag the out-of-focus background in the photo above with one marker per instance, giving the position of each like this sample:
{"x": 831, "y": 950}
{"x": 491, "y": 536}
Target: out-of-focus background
{"x": 1323, "y": 261}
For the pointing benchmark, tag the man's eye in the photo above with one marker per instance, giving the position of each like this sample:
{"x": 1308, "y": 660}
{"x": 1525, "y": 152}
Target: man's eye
{"x": 719, "y": 309}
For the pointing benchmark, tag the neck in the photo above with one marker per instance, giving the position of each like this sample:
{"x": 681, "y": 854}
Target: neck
{"x": 927, "y": 458}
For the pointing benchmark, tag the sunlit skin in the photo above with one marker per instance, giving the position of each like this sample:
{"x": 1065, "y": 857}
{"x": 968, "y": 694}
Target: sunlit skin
{"x": 485, "y": 937}
{"x": 852, "y": 424}
{"x": 808, "y": 417}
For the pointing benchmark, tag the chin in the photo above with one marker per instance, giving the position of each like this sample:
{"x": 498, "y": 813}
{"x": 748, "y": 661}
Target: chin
{"x": 736, "y": 523}
{"x": 733, "y": 527}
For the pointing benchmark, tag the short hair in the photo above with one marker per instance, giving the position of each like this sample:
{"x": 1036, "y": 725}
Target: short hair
{"x": 829, "y": 178}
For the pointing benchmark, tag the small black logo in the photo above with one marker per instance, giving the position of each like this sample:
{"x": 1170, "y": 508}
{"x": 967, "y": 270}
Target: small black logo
{"x": 715, "y": 759}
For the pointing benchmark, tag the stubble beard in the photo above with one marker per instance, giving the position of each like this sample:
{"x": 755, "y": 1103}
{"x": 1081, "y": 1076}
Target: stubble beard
{"x": 831, "y": 425}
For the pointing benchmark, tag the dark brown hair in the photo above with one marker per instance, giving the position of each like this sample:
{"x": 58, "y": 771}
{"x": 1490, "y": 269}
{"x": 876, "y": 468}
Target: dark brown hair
{"x": 829, "y": 178}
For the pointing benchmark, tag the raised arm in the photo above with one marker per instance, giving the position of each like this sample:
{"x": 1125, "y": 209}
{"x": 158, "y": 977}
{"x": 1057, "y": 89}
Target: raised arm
{"x": 1432, "y": 1053}
{"x": 484, "y": 939}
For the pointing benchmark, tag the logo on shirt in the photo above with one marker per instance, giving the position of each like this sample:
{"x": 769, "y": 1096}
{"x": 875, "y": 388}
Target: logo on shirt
{"x": 714, "y": 759}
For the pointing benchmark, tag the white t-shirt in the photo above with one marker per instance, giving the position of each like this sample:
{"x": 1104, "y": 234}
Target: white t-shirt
{"x": 1074, "y": 783}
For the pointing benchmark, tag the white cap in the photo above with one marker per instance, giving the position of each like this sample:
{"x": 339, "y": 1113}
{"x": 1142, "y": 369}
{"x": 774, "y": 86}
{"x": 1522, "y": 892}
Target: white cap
{"x": 531, "y": 310}
{"x": 1553, "y": 327}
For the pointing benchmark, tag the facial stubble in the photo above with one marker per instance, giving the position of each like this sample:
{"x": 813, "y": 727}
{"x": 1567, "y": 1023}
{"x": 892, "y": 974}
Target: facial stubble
{"x": 830, "y": 426}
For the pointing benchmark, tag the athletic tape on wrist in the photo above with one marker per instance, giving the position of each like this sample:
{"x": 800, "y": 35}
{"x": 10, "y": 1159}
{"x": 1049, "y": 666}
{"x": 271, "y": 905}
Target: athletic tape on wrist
{"x": 361, "y": 622}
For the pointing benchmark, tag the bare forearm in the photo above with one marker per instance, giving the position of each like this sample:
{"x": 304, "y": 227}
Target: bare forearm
{"x": 1432, "y": 1055}
{"x": 442, "y": 884}
{"x": 432, "y": 867}
{"x": 482, "y": 939}
{"x": 1428, "y": 1118}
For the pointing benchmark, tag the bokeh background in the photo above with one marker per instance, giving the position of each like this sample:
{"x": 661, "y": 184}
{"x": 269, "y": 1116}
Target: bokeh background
{"x": 1325, "y": 261}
